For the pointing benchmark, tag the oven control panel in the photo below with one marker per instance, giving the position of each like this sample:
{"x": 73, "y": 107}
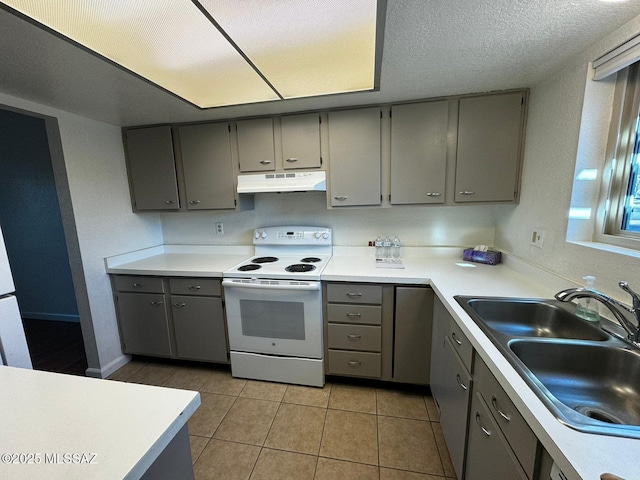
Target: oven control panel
{"x": 292, "y": 236}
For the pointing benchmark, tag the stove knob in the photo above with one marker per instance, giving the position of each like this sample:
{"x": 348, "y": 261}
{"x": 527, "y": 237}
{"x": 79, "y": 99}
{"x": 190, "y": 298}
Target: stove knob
{"x": 264, "y": 234}
{"x": 325, "y": 235}
{"x": 317, "y": 235}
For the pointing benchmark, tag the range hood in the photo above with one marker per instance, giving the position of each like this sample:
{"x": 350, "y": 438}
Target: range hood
{"x": 315, "y": 181}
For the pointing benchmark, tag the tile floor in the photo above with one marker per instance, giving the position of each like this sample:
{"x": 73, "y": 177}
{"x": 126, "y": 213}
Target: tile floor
{"x": 246, "y": 429}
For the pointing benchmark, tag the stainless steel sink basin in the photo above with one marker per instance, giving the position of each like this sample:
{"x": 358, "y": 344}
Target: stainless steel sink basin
{"x": 531, "y": 318}
{"x": 601, "y": 383}
{"x": 589, "y": 379}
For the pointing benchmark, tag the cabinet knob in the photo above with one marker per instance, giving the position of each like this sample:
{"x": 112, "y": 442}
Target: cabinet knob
{"x": 434, "y": 194}
{"x": 194, "y": 202}
{"x": 292, "y": 160}
{"x": 467, "y": 192}
{"x": 265, "y": 162}
{"x": 340, "y": 197}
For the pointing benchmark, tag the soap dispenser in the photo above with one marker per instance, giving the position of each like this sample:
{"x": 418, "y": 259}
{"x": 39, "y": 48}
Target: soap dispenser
{"x": 587, "y": 308}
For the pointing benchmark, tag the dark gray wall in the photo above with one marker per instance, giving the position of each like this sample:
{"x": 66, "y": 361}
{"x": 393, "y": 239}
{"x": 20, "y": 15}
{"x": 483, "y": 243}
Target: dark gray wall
{"x": 31, "y": 222}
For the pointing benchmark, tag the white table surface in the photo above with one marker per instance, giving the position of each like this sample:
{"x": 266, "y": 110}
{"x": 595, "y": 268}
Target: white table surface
{"x": 121, "y": 428}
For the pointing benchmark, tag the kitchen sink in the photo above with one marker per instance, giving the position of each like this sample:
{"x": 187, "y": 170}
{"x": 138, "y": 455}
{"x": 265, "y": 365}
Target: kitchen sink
{"x": 599, "y": 382}
{"x": 532, "y": 318}
{"x": 589, "y": 379}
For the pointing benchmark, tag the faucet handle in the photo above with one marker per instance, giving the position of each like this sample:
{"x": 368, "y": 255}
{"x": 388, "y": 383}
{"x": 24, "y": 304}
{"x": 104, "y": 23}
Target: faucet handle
{"x": 636, "y": 298}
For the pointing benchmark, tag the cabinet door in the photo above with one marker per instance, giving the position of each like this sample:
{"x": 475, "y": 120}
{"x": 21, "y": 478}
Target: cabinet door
{"x": 454, "y": 406}
{"x": 207, "y": 166}
{"x": 490, "y": 132}
{"x": 413, "y": 326}
{"x": 143, "y": 324}
{"x": 255, "y": 145}
{"x": 152, "y": 168}
{"x": 419, "y": 152}
{"x": 354, "y": 156}
{"x": 489, "y": 456}
{"x": 301, "y": 141}
{"x": 198, "y": 324}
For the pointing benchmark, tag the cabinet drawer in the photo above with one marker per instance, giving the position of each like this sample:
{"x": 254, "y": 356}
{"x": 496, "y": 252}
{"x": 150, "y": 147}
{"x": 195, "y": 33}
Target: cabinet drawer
{"x": 134, "y": 283}
{"x": 355, "y": 337}
{"x": 462, "y": 345}
{"x": 209, "y": 287}
{"x": 354, "y": 293}
{"x": 522, "y": 440}
{"x": 354, "y": 364}
{"x": 362, "y": 314}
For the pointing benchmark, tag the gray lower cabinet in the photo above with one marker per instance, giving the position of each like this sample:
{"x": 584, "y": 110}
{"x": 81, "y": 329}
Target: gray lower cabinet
{"x": 354, "y": 157}
{"x": 412, "y": 340}
{"x": 152, "y": 168}
{"x": 171, "y": 317}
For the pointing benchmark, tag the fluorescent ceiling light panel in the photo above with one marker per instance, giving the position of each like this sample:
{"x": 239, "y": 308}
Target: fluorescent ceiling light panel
{"x": 267, "y": 50}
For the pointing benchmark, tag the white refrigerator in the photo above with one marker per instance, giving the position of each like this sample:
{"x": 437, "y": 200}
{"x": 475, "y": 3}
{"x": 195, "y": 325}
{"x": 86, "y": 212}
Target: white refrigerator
{"x": 13, "y": 344}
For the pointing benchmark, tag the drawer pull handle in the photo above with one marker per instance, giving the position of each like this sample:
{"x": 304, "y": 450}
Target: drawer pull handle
{"x": 156, "y": 303}
{"x": 194, "y": 202}
{"x": 292, "y": 159}
{"x": 138, "y": 285}
{"x": 433, "y": 194}
{"x": 354, "y": 337}
{"x": 352, "y": 315}
{"x": 180, "y": 305}
{"x": 169, "y": 202}
{"x": 494, "y": 402}
{"x": 353, "y": 294}
{"x": 194, "y": 287}
{"x": 340, "y": 197}
{"x": 462, "y": 385}
{"x": 455, "y": 339}
{"x": 354, "y": 363}
{"x": 265, "y": 162}
{"x": 467, "y": 192}
{"x": 486, "y": 432}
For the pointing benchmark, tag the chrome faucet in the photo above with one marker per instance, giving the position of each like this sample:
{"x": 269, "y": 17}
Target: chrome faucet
{"x": 619, "y": 310}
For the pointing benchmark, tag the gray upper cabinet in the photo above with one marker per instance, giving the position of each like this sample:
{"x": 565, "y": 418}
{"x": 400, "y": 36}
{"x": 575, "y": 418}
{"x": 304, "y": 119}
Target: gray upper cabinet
{"x": 301, "y": 141}
{"x": 152, "y": 168}
{"x": 354, "y": 155}
{"x": 207, "y": 166}
{"x": 256, "y": 148}
{"x": 419, "y": 152}
{"x": 490, "y": 137}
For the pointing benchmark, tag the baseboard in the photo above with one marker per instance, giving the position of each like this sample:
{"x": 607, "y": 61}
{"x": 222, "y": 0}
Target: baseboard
{"x": 108, "y": 369}
{"x": 59, "y": 317}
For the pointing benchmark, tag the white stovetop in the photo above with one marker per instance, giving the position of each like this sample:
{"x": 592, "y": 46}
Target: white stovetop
{"x": 579, "y": 455}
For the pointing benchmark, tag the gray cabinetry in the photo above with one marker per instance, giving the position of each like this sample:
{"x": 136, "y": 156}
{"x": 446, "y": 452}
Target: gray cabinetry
{"x": 301, "y": 141}
{"x": 208, "y": 170}
{"x": 451, "y": 382}
{"x": 419, "y": 152}
{"x": 152, "y": 169}
{"x": 171, "y": 317}
{"x": 489, "y": 151}
{"x": 412, "y": 339}
{"x": 256, "y": 149}
{"x": 354, "y": 156}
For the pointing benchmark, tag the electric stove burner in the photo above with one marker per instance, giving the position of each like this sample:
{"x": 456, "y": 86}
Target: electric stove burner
{"x": 311, "y": 260}
{"x": 300, "y": 267}
{"x": 265, "y": 260}
{"x": 248, "y": 268}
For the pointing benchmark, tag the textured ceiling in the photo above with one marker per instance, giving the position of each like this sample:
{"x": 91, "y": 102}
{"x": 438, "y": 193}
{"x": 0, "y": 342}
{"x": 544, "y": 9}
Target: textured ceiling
{"x": 431, "y": 48}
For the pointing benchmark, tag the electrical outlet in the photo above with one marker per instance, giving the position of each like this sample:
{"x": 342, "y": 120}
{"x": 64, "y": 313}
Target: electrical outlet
{"x": 537, "y": 237}
{"x": 219, "y": 228}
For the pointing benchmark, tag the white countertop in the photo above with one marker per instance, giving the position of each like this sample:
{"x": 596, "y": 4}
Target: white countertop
{"x": 121, "y": 427}
{"x": 579, "y": 455}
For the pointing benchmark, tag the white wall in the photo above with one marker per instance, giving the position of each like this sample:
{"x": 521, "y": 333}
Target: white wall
{"x": 552, "y": 146}
{"x": 95, "y": 193}
{"x": 416, "y": 226}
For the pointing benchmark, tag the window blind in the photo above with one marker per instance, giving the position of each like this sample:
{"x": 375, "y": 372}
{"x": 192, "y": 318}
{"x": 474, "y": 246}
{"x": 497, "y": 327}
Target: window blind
{"x": 617, "y": 59}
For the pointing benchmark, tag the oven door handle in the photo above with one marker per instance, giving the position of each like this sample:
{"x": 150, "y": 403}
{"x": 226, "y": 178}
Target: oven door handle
{"x": 308, "y": 286}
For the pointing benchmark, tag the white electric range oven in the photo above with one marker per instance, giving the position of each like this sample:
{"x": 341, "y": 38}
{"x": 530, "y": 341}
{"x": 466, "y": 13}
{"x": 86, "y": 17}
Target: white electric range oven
{"x": 274, "y": 306}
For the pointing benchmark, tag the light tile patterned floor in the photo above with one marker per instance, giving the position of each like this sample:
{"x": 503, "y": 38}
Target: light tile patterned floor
{"x": 246, "y": 429}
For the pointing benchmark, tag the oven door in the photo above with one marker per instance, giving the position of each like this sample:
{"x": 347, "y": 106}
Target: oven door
{"x": 276, "y": 317}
